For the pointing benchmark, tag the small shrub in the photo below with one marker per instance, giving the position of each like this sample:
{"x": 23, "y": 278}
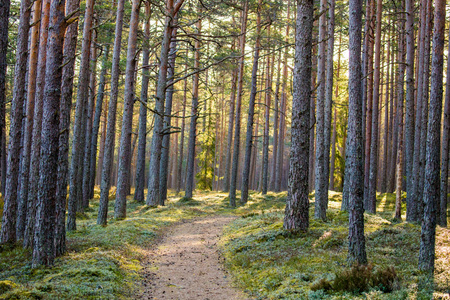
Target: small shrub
{"x": 385, "y": 279}
{"x": 322, "y": 284}
{"x": 6, "y": 285}
{"x": 355, "y": 279}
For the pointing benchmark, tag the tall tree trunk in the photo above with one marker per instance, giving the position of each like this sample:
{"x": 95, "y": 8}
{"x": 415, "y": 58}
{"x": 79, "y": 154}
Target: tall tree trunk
{"x": 333, "y": 138}
{"x": 140, "y": 163}
{"x": 44, "y": 238}
{"x": 265, "y": 156}
{"x": 183, "y": 122}
{"x": 97, "y": 116}
{"x": 153, "y": 181}
{"x": 372, "y": 192}
{"x": 431, "y": 183}
{"x": 37, "y": 126}
{"x": 190, "y": 172}
{"x": 354, "y": 165}
{"x": 411, "y": 206}
{"x": 4, "y": 21}
{"x": 111, "y": 125}
{"x": 251, "y": 112}
{"x": 120, "y": 207}
{"x": 275, "y": 125}
{"x": 27, "y": 141}
{"x": 321, "y": 195}
{"x": 164, "y": 163}
{"x": 237, "y": 130}
{"x": 8, "y": 230}
{"x": 226, "y": 180}
{"x": 387, "y": 122}
{"x": 297, "y": 203}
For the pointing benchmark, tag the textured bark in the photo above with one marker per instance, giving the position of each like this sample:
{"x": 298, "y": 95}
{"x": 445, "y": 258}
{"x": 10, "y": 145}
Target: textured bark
{"x": 190, "y": 172}
{"x": 328, "y": 98}
{"x": 442, "y": 218}
{"x": 37, "y": 126}
{"x": 321, "y": 195}
{"x": 432, "y": 172}
{"x": 394, "y": 128}
{"x": 111, "y": 126}
{"x": 8, "y": 230}
{"x": 237, "y": 128}
{"x": 97, "y": 117}
{"x": 372, "y": 192}
{"x": 44, "y": 238}
{"x": 28, "y": 133}
{"x": 4, "y": 21}
{"x": 387, "y": 122}
{"x": 411, "y": 206}
{"x": 164, "y": 163}
{"x": 153, "y": 180}
{"x": 87, "y": 170}
{"x": 275, "y": 125}
{"x": 297, "y": 203}
{"x": 354, "y": 165}
{"x": 79, "y": 127}
{"x": 140, "y": 163}
{"x": 251, "y": 114}
{"x": 399, "y": 121}
{"x": 120, "y": 207}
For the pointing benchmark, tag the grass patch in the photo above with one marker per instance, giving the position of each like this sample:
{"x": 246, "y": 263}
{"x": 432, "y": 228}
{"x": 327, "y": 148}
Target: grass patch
{"x": 268, "y": 263}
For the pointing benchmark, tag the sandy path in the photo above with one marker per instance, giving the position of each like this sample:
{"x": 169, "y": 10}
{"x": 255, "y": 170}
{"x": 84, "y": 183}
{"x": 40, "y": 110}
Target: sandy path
{"x": 187, "y": 265}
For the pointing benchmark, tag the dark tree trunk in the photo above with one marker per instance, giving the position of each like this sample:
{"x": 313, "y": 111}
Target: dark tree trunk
{"x": 8, "y": 230}
{"x": 431, "y": 183}
{"x": 97, "y": 116}
{"x": 28, "y": 133}
{"x": 111, "y": 126}
{"x": 372, "y": 192}
{"x": 251, "y": 113}
{"x": 183, "y": 122}
{"x": 125, "y": 154}
{"x": 44, "y": 238}
{"x": 37, "y": 126}
{"x": 4, "y": 21}
{"x": 140, "y": 163}
{"x": 237, "y": 128}
{"x": 354, "y": 165}
{"x": 226, "y": 180}
{"x": 164, "y": 164}
{"x": 297, "y": 203}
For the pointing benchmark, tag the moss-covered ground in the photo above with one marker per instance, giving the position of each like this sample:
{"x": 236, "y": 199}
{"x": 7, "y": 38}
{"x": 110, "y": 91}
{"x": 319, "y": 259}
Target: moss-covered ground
{"x": 268, "y": 263}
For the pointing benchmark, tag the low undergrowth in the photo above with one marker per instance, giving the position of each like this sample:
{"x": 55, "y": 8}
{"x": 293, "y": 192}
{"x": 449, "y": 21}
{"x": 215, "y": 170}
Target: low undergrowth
{"x": 270, "y": 263}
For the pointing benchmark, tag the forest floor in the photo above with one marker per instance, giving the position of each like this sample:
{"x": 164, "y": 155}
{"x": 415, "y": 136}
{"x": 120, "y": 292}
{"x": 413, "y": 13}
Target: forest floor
{"x": 135, "y": 257}
{"x": 187, "y": 264}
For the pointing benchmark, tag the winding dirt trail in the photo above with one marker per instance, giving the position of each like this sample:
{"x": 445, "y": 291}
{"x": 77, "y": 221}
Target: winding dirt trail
{"x": 187, "y": 265}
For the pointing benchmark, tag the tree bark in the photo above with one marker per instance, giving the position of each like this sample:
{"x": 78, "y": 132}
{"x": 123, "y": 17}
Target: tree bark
{"x": 297, "y": 203}
{"x": 44, "y": 238}
{"x": 120, "y": 207}
{"x": 111, "y": 125}
{"x": 354, "y": 166}
{"x": 183, "y": 122}
{"x": 8, "y": 230}
{"x": 251, "y": 113}
{"x": 431, "y": 183}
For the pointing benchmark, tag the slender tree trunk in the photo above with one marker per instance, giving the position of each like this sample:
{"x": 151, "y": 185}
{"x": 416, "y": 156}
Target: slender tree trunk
{"x": 387, "y": 122}
{"x": 97, "y": 117}
{"x": 411, "y": 206}
{"x": 193, "y": 126}
{"x": 164, "y": 164}
{"x": 25, "y": 161}
{"x": 251, "y": 113}
{"x": 120, "y": 207}
{"x": 297, "y": 203}
{"x": 4, "y": 21}
{"x": 265, "y": 156}
{"x": 44, "y": 238}
{"x": 237, "y": 130}
{"x": 37, "y": 126}
{"x": 321, "y": 195}
{"x": 333, "y": 138}
{"x": 111, "y": 126}
{"x": 180, "y": 164}
{"x": 226, "y": 180}
{"x": 431, "y": 183}
{"x": 275, "y": 125}
{"x": 8, "y": 230}
{"x": 372, "y": 192}
{"x": 140, "y": 163}
{"x": 356, "y": 245}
